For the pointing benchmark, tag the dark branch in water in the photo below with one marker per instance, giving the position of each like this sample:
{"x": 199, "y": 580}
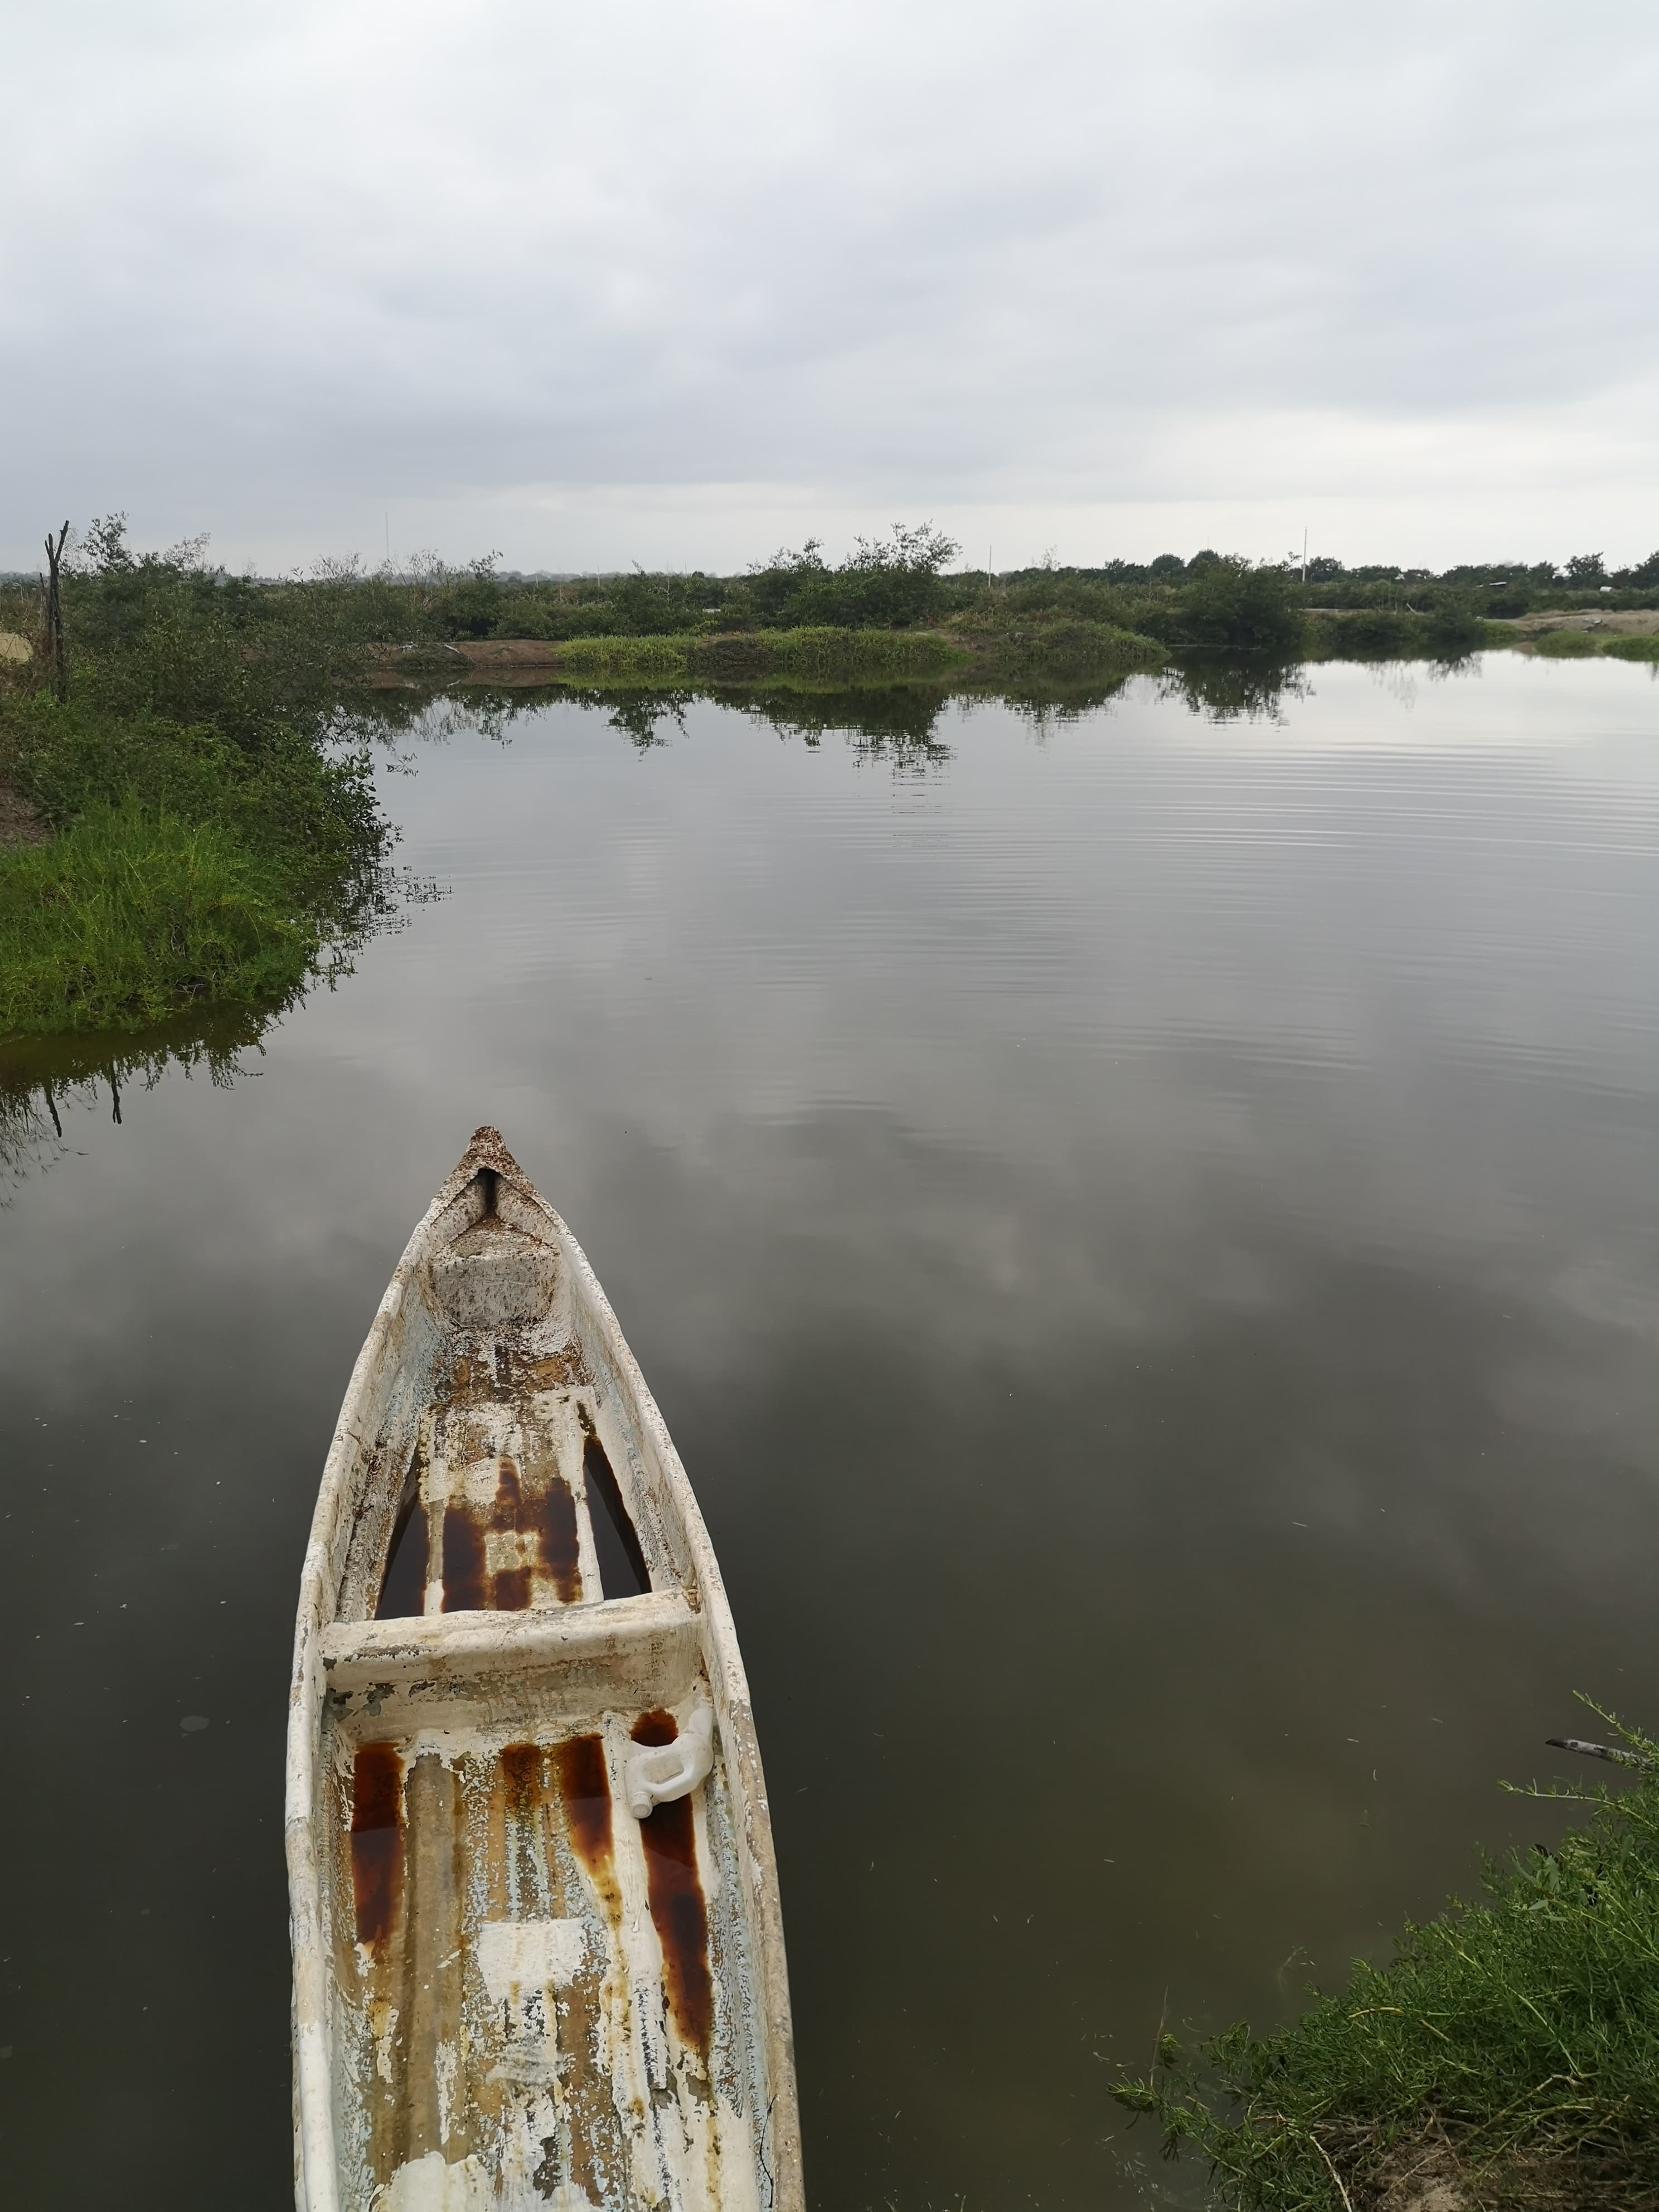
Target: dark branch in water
{"x": 1596, "y": 1750}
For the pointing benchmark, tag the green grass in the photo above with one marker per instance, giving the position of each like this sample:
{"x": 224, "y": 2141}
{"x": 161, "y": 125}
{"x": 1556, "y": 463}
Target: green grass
{"x": 1067, "y": 648}
{"x": 624, "y": 660}
{"x": 1585, "y": 645}
{"x": 131, "y": 915}
{"x": 198, "y": 862}
{"x": 852, "y": 656}
{"x": 1509, "y": 2048}
{"x": 736, "y": 657}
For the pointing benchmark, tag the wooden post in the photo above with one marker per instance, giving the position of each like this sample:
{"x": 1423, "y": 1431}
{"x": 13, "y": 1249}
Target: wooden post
{"x": 54, "y": 613}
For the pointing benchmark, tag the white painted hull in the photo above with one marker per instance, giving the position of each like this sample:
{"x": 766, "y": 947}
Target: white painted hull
{"x": 537, "y": 1952}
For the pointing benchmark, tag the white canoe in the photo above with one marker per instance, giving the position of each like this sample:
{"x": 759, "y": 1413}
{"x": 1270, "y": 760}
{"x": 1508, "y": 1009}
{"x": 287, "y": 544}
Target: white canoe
{"x": 537, "y": 1952}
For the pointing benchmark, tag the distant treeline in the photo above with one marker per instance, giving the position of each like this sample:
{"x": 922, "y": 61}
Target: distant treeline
{"x": 221, "y": 647}
{"x": 904, "y": 581}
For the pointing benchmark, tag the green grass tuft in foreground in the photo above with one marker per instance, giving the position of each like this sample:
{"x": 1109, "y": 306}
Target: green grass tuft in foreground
{"x": 1508, "y": 2054}
{"x": 129, "y": 914}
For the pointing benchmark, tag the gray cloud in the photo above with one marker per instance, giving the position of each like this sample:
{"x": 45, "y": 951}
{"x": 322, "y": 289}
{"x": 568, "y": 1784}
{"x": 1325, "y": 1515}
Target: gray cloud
{"x": 662, "y": 279}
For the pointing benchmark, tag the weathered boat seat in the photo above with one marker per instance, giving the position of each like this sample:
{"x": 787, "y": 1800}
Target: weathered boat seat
{"x": 650, "y": 1639}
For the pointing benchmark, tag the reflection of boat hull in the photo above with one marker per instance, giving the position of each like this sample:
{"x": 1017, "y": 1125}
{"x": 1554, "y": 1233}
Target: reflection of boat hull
{"x": 537, "y": 1952}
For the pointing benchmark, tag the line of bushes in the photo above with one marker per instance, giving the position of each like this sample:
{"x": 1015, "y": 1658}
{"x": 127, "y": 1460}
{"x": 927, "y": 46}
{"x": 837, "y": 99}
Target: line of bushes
{"x": 296, "y": 631}
{"x": 904, "y": 581}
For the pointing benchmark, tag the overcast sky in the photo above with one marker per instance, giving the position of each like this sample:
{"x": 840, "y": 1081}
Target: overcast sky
{"x": 677, "y": 281}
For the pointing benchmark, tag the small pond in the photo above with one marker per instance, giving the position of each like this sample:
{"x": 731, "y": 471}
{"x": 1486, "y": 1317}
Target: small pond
{"x": 1145, "y": 1227}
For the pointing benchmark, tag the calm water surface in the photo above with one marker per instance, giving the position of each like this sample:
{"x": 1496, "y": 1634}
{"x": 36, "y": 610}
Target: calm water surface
{"x": 1144, "y": 1231}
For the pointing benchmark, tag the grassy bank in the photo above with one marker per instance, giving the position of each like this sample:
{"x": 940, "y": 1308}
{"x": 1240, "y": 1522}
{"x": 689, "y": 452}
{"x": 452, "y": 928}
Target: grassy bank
{"x": 1507, "y": 2056}
{"x": 1586, "y": 645}
{"x": 130, "y": 913}
{"x": 1391, "y": 636}
{"x": 194, "y": 833}
{"x": 819, "y": 654}
{"x": 824, "y": 655}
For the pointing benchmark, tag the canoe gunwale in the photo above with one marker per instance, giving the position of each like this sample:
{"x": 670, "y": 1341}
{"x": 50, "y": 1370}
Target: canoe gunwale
{"x": 333, "y": 1655}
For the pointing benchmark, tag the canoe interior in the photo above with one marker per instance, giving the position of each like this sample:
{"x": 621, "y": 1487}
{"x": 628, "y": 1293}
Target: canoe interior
{"x": 534, "y": 1998}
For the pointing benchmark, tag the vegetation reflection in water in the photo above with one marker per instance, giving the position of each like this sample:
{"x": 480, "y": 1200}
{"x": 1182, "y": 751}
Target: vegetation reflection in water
{"x": 192, "y": 749}
{"x": 41, "y": 1077}
{"x": 899, "y": 723}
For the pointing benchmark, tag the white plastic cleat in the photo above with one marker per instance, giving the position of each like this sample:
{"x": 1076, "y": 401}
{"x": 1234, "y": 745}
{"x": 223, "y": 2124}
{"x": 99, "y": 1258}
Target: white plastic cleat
{"x": 655, "y": 1774}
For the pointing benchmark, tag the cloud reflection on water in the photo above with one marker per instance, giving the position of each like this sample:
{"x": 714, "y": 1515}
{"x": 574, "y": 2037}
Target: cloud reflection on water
{"x": 1145, "y": 1235}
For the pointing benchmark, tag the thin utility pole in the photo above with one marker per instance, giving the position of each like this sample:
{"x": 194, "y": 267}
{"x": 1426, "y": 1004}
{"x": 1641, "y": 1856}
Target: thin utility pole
{"x": 54, "y": 613}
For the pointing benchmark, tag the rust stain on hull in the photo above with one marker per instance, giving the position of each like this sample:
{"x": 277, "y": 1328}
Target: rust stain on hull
{"x": 377, "y": 1839}
{"x": 464, "y": 1574}
{"x": 585, "y": 1786}
{"x": 509, "y": 1588}
{"x": 680, "y": 1917}
{"x": 678, "y": 1910}
{"x": 558, "y": 1540}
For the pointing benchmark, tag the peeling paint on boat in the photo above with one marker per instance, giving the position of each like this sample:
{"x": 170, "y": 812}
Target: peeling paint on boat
{"x": 538, "y": 1948}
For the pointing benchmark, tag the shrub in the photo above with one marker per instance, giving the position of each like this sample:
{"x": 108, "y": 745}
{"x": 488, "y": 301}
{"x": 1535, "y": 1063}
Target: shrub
{"x": 316, "y": 808}
{"x": 1229, "y": 605}
{"x": 211, "y": 838}
{"x": 1567, "y": 644}
{"x": 1072, "y": 648}
{"x": 1376, "y": 634}
{"x": 880, "y": 585}
{"x": 1453, "y": 630}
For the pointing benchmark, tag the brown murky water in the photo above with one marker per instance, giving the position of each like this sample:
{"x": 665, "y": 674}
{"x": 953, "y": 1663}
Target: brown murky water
{"x": 1146, "y": 1233}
